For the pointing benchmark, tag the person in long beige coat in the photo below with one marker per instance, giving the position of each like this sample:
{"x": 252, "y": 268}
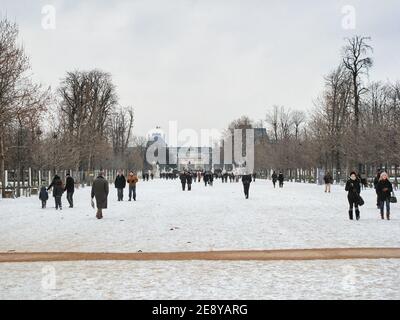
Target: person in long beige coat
{"x": 100, "y": 191}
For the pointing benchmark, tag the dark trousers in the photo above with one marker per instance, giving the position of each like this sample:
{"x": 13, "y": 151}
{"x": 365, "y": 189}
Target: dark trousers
{"x": 183, "y": 186}
{"x": 120, "y": 193}
{"x": 280, "y": 184}
{"x": 382, "y": 206}
{"x": 189, "y": 187}
{"x": 44, "y": 204}
{"x": 58, "y": 202}
{"x": 274, "y": 182}
{"x": 70, "y": 199}
{"x": 353, "y": 203}
{"x": 132, "y": 192}
{"x": 246, "y": 187}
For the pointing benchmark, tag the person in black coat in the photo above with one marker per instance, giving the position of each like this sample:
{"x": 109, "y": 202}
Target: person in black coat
{"x": 274, "y": 178}
{"x": 182, "y": 177}
{"x": 281, "y": 179}
{"x": 43, "y": 196}
{"x": 120, "y": 184}
{"x": 246, "y": 180}
{"x": 376, "y": 180}
{"x": 328, "y": 181}
{"x": 189, "y": 180}
{"x": 206, "y": 178}
{"x": 58, "y": 190}
{"x": 353, "y": 196}
{"x": 70, "y": 188}
{"x": 210, "y": 179}
{"x": 384, "y": 190}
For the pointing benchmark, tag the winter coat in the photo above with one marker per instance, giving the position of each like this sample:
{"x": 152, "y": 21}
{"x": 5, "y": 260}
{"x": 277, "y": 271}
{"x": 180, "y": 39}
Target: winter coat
{"x": 376, "y": 181}
{"x": 274, "y": 177}
{"x": 52, "y": 184}
{"x": 328, "y": 179}
{"x": 280, "y": 177}
{"x": 246, "y": 179}
{"x": 384, "y": 189}
{"x": 189, "y": 178}
{"x": 120, "y": 182}
{"x": 43, "y": 195}
{"x": 132, "y": 180}
{"x": 69, "y": 185}
{"x": 182, "y": 177}
{"x": 100, "y": 191}
{"x": 353, "y": 188}
{"x": 58, "y": 188}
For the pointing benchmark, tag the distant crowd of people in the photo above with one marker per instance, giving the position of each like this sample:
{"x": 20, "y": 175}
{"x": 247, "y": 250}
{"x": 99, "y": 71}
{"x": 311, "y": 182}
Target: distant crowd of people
{"x": 100, "y": 189}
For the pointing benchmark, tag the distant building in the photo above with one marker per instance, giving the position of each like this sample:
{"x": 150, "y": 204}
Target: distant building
{"x": 191, "y": 158}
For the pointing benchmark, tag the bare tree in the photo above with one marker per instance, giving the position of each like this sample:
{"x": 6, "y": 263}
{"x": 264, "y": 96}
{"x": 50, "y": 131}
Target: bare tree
{"x": 357, "y": 62}
{"x": 88, "y": 100}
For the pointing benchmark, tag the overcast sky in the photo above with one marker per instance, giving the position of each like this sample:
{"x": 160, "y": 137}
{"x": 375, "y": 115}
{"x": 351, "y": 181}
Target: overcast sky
{"x": 204, "y": 63}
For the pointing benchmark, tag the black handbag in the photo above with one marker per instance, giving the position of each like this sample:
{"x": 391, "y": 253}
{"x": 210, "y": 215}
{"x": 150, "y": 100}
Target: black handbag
{"x": 393, "y": 198}
{"x": 360, "y": 201}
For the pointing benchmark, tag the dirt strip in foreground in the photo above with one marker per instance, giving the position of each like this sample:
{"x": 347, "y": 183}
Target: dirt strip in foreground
{"x": 265, "y": 255}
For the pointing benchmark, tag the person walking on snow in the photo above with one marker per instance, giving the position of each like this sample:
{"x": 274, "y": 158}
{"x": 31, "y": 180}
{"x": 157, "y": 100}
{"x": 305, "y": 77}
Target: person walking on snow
{"x": 100, "y": 191}
{"x": 189, "y": 180}
{"x": 70, "y": 188}
{"x": 281, "y": 179}
{"x": 274, "y": 178}
{"x": 328, "y": 181}
{"x": 384, "y": 190}
{"x": 132, "y": 181}
{"x": 120, "y": 184}
{"x": 246, "y": 180}
{"x": 58, "y": 190}
{"x": 353, "y": 196}
{"x": 376, "y": 181}
{"x": 43, "y": 196}
{"x": 182, "y": 177}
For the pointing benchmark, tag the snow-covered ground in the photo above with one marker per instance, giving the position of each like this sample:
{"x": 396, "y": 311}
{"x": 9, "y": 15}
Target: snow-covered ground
{"x": 362, "y": 279}
{"x": 214, "y": 218}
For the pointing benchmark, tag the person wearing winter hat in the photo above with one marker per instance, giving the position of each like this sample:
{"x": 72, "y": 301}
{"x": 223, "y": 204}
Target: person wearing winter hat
{"x": 384, "y": 190}
{"x": 353, "y": 188}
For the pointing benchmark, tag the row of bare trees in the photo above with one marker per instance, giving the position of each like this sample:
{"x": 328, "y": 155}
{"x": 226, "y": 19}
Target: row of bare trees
{"x": 80, "y": 125}
{"x": 352, "y": 126}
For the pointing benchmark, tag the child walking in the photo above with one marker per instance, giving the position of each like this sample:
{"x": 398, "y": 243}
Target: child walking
{"x": 43, "y": 196}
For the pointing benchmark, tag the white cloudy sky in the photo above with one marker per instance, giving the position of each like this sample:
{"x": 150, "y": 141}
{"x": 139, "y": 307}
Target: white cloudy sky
{"x": 205, "y": 62}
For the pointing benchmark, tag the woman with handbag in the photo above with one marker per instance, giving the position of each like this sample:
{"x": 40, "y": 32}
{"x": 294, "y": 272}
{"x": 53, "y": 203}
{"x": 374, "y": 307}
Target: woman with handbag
{"x": 384, "y": 190}
{"x": 353, "y": 188}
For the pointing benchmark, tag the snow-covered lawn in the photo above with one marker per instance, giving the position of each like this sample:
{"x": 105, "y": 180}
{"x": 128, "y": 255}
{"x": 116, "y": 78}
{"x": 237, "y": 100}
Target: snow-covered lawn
{"x": 361, "y": 279}
{"x": 214, "y": 218}
{"x": 219, "y": 218}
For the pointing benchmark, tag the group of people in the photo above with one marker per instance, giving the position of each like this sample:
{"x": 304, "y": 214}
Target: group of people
{"x": 384, "y": 194}
{"x": 121, "y": 182}
{"x": 58, "y": 190}
{"x": 278, "y": 177}
{"x": 100, "y": 189}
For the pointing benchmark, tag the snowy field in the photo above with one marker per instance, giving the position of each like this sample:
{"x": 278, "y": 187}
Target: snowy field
{"x": 214, "y": 218}
{"x": 361, "y": 279}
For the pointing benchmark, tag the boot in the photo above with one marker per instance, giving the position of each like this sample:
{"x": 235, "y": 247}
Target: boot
{"x": 99, "y": 215}
{"x": 382, "y": 216}
{"x": 388, "y": 215}
{"x": 351, "y": 214}
{"x": 358, "y": 215}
